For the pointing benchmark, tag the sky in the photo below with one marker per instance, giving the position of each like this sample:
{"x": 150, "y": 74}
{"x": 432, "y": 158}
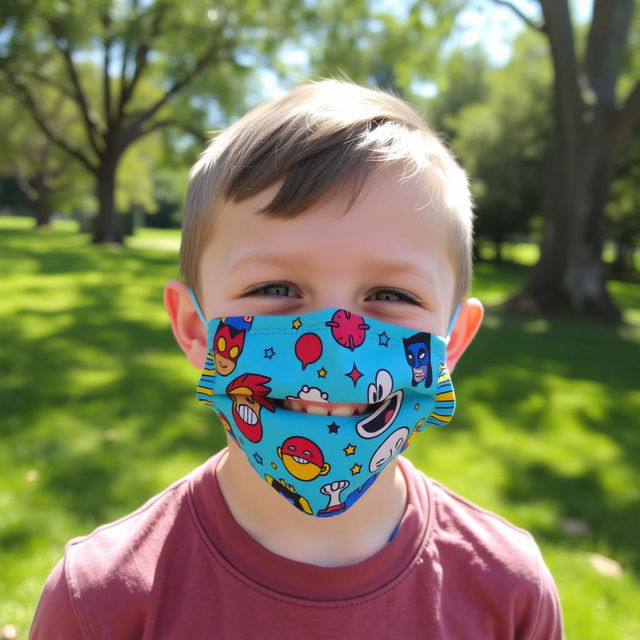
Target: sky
{"x": 484, "y": 21}
{"x": 497, "y": 25}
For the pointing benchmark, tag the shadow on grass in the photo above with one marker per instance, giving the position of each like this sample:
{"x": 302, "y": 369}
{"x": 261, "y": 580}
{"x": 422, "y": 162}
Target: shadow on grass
{"x": 557, "y": 382}
{"x": 95, "y": 395}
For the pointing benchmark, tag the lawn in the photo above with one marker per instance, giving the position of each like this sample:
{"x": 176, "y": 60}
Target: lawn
{"x": 97, "y": 413}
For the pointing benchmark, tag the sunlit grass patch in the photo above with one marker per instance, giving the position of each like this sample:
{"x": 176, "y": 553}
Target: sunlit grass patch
{"x": 98, "y": 414}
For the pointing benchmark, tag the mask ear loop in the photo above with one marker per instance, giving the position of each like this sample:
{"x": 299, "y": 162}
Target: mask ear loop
{"x": 452, "y": 322}
{"x": 197, "y": 306}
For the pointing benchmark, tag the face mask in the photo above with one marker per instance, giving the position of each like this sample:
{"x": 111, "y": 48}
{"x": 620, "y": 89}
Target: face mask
{"x": 322, "y": 464}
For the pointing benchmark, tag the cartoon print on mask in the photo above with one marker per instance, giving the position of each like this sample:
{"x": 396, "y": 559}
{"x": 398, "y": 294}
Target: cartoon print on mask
{"x": 348, "y": 329}
{"x": 380, "y": 393}
{"x": 288, "y": 492}
{"x": 308, "y": 349}
{"x": 392, "y": 445}
{"x": 204, "y": 390}
{"x": 308, "y": 394}
{"x": 303, "y": 458}
{"x": 322, "y": 464}
{"x": 228, "y": 343}
{"x": 333, "y": 490}
{"x": 416, "y": 350}
{"x": 445, "y": 399}
{"x": 226, "y": 425}
{"x": 249, "y": 395}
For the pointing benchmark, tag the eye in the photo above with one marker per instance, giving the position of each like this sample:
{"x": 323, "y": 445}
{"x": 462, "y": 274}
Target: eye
{"x": 392, "y": 295}
{"x": 222, "y": 344}
{"x": 233, "y": 352}
{"x": 384, "y": 382}
{"x": 275, "y": 289}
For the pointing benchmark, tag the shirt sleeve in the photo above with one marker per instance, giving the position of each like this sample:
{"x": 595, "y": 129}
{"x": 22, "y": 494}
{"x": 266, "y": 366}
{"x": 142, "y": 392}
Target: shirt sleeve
{"x": 548, "y": 624}
{"x": 55, "y": 617}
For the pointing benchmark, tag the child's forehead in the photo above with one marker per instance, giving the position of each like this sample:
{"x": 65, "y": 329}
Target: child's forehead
{"x": 392, "y": 224}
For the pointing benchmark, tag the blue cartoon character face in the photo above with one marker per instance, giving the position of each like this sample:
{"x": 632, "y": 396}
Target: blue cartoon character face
{"x": 416, "y": 350}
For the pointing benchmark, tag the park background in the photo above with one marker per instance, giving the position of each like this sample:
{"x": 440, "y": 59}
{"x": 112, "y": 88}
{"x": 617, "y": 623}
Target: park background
{"x": 105, "y": 104}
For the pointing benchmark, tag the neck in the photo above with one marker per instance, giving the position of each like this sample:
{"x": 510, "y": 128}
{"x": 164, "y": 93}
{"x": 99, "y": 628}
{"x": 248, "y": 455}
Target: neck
{"x": 341, "y": 540}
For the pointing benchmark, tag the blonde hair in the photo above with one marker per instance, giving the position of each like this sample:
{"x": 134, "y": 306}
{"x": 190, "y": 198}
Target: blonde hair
{"x": 317, "y": 138}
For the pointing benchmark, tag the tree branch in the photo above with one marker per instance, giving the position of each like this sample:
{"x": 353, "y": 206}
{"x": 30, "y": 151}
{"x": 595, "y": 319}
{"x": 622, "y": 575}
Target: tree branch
{"x": 627, "y": 115}
{"x": 559, "y": 31}
{"x": 46, "y": 126}
{"x": 40, "y": 77}
{"x": 158, "y": 124}
{"x": 141, "y": 56}
{"x": 106, "y": 80}
{"x": 606, "y": 44}
{"x": 22, "y": 181}
{"x": 134, "y": 130}
{"x": 91, "y": 125}
{"x": 525, "y": 18}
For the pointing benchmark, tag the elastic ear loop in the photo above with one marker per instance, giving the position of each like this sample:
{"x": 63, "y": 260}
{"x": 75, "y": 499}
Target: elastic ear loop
{"x": 196, "y": 304}
{"x": 452, "y": 322}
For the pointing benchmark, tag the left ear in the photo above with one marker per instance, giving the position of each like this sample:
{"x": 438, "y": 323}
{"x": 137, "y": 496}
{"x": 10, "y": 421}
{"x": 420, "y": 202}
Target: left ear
{"x": 188, "y": 329}
{"x": 467, "y": 325}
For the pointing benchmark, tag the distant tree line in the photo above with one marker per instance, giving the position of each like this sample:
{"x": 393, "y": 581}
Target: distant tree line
{"x": 105, "y": 104}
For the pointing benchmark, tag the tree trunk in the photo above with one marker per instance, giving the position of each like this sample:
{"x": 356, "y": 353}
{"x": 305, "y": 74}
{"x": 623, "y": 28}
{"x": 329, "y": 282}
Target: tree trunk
{"x": 570, "y": 276}
{"x": 42, "y": 212}
{"x": 498, "y": 257}
{"x": 590, "y": 127}
{"x": 109, "y": 227}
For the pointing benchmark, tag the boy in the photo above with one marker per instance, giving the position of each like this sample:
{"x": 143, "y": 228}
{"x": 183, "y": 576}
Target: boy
{"x": 326, "y": 253}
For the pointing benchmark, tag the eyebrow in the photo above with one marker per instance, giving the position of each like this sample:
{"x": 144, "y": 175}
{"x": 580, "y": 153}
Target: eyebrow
{"x": 381, "y": 265}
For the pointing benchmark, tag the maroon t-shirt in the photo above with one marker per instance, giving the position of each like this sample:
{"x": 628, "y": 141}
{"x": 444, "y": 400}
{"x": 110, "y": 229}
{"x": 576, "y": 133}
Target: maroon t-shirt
{"x": 180, "y": 567}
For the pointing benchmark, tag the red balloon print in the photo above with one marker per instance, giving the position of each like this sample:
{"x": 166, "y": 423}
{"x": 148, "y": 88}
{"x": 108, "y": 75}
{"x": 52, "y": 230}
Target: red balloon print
{"x": 308, "y": 348}
{"x": 348, "y": 329}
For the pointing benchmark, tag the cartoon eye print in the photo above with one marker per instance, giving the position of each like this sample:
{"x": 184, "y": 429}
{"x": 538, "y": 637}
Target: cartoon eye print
{"x": 228, "y": 343}
{"x": 382, "y": 387}
{"x": 249, "y": 396}
{"x": 416, "y": 350}
{"x": 388, "y": 449}
{"x": 380, "y": 393}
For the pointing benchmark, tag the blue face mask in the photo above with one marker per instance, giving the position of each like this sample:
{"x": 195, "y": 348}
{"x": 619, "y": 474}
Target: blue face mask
{"x": 260, "y": 369}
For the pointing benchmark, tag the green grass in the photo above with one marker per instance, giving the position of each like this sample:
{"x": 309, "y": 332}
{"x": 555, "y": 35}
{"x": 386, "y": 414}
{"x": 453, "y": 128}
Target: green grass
{"x": 98, "y": 413}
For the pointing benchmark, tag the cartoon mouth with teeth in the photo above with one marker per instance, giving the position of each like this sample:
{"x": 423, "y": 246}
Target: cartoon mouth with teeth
{"x": 249, "y": 395}
{"x": 302, "y": 458}
{"x": 387, "y": 406}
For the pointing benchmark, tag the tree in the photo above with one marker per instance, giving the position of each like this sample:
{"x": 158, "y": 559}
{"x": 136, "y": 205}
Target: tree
{"x": 47, "y": 178}
{"x": 624, "y": 210}
{"x": 503, "y": 138}
{"x": 591, "y": 124}
{"x": 170, "y": 43}
{"x": 388, "y": 45}
{"x": 461, "y": 78}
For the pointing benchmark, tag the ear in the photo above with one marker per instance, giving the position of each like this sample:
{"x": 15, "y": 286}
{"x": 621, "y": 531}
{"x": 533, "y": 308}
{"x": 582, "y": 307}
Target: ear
{"x": 188, "y": 329}
{"x": 467, "y": 325}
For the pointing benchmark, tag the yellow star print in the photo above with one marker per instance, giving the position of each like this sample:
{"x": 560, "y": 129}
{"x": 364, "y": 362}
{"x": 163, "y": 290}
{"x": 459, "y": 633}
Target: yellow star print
{"x": 355, "y": 469}
{"x": 297, "y": 323}
{"x": 349, "y": 450}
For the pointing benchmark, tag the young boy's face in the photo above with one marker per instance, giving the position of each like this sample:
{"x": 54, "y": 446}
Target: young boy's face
{"x": 386, "y": 257}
